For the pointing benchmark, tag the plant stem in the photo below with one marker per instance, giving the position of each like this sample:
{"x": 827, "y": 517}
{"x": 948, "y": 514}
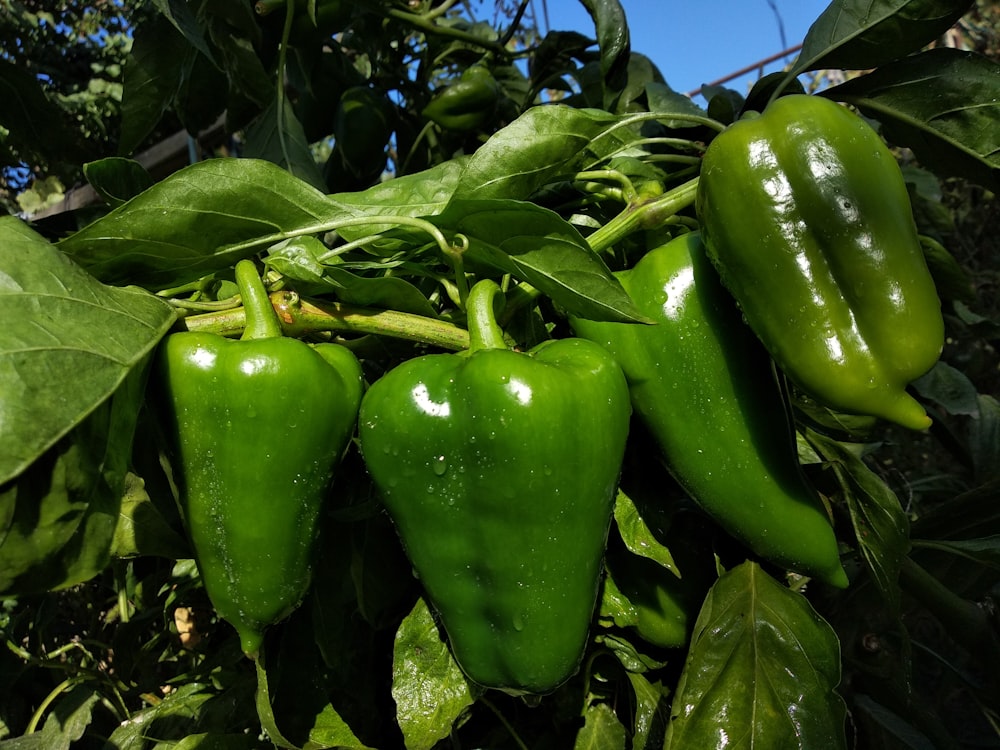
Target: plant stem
{"x": 260, "y": 320}
{"x": 299, "y": 317}
{"x": 428, "y": 27}
{"x": 645, "y": 215}
{"x": 484, "y": 331}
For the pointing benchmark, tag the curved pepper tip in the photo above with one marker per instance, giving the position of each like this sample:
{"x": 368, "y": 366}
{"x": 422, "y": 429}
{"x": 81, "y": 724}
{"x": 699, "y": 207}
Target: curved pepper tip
{"x": 837, "y": 578}
{"x": 907, "y": 412}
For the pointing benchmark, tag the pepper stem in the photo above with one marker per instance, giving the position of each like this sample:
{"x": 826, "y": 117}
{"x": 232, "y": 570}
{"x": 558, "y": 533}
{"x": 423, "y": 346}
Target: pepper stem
{"x": 484, "y": 331}
{"x": 261, "y": 319}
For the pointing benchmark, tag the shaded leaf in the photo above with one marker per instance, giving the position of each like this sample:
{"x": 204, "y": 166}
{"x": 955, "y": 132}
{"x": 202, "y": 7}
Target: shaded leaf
{"x": 116, "y": 179}
{"x": 949, "y": 388}
{"x": 58, "y": 517}
{"x": 180, "y": 14}
{"x": 880, "y": 524}
{"x": 154, "y": 73}
{"x": 280, "y": 139}
{"x": 67, "y": 344}
{"x": 430, "y": 691}
{"x": 30, "y": 117}
{"x": 761, "y": 671}
{"x": 862, "y": 34}
{"x": 652, "y": 711}
{"x": 985, "y": 551}
{"x": 65, "y": 724}
{"x": 944, "y": 104}
{"x": 142, "y": 530}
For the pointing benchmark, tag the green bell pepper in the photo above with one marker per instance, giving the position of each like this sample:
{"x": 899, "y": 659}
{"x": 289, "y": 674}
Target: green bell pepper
{"x": 499, "y": 469}
{"x": 806, "y": 215}
{"x": 467, "y": 104}
{"x": 702, "y": 384}
{"x": 255, "y": 430}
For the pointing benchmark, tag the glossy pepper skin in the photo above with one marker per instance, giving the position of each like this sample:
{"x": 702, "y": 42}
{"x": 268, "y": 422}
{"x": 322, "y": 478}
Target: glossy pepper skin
{"x": 499, "y": 469}
{"x": 702, "y": 384}
{"x": 255, "y": 428}
{"x": 805, "y": 213}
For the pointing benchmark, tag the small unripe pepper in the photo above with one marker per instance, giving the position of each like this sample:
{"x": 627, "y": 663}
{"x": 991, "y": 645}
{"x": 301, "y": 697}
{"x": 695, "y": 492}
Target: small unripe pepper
{"x": 499, "y": 469}
{"x": 702, "y": 384}
{"x": 806, "y": 215}
{"x": 255, "y": 430}
{"x": 466, "y": 104}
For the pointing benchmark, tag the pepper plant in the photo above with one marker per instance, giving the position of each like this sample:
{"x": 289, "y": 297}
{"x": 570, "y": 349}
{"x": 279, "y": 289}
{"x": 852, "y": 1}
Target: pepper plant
{"x": 497, "y": 395}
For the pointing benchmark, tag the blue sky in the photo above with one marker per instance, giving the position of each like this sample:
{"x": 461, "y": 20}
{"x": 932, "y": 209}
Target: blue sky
{"x": 699, "y": 42}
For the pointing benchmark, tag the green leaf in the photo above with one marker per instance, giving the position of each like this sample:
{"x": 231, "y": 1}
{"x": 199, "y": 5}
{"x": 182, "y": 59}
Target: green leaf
{"x": 198, "y": 220}
{"x": 66, "y": 723}
{"x": 538, "y": 246}
{"x": 665, "y": 101}
{"x": 58, "y": 517}
{"x": 179, "y": 13}
{"x": 943, "y": 104}
{"x": 430, "y": 691}
{"x": 282, "y": 141}
{"x": 331, "y": 731}
{"x": 141, "y": 529}
{"x": 880, "y": 525}
{"x": 613, "y": 40}
{"x": 637, "y": 535}
{"x": 652, "y": 712}
{"x": 425, "y": 193}
{"x": 950, "y": 388}
{"x": 116, "y": 179}
{"x": 601, "y": 730}
{"x": 760, "y": 672}
{"x": 298, "y": 259}
{"x": 985, "y": 551}
{"x": 540, "y": 145}
{"x": 31, "y": 117}
{"x": 862, "y": 34}
{"x": 182, "y": 706}
{"x": 265, "y": 711}
{"x": 68, "y": 342}
{"x": 984, "y": 438}
{"x": 154, "y": 73}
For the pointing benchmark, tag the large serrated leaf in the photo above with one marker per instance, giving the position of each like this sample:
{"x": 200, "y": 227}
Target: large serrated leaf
{"x": 944, "y": 104}
{"x": 760, "y": 673}
{"x": 862, "y": 34}
{"x": 199, "y": 220}
{"x": 538, "y": 246}
{"x": 66, "y": 344}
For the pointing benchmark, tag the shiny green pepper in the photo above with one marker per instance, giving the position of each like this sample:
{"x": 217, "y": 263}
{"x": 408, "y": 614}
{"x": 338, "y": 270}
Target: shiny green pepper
{"x": 467, "y": 104}
{"x": 499, "y": 469}
{"x": 361, "y": 130}
{"x": 806, "y": 215}
{"x": 255, "y": 430}
{"x": 702, "y": 384}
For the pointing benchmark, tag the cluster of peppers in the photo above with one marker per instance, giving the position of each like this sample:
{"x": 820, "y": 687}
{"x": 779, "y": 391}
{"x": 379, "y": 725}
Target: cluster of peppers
{"x": 499, "y": 468}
